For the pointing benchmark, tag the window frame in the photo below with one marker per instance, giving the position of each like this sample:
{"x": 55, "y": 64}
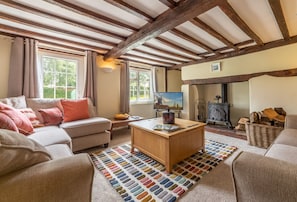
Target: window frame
{"x": 137, "y": 101}
{"x": 80, "y": 74}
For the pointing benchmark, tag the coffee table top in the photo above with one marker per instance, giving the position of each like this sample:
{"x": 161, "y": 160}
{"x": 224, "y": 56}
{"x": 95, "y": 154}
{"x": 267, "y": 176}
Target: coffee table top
{"x": 130, "y": 119}
{"x": 182, "y": 124}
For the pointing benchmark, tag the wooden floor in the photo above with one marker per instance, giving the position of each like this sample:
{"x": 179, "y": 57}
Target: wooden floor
{"x": 223, "y": 130}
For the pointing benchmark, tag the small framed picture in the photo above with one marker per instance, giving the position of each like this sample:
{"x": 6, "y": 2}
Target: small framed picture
{"x": 216, "y": 67}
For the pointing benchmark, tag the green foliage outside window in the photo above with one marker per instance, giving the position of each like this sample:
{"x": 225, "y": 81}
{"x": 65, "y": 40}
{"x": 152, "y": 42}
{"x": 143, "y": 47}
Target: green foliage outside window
{"x": 59, "y": 77}
{"x": 140, "y": 85}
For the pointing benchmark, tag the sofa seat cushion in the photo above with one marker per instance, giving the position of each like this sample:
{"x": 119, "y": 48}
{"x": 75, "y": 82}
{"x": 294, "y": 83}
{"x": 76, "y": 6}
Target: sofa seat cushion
{"x": 49, "y": 135}
{"x": 59, "y": 151}
{"x": 85, "y": 127}
{"x": 288, "y": 137}
{"x": 17, "y": 152}
{"x": 283, "y": 152}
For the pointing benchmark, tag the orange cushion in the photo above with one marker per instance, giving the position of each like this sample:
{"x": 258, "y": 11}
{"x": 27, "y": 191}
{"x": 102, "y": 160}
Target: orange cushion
{"x": 21, "y": 121}
{"x": 7, "y": 123}
{"x": 75, "y": 109}
{"x": 51, "y": 116}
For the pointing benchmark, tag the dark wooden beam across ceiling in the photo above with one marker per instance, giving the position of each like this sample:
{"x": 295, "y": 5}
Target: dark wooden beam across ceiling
{"x": 46, "y": 38}
{"x": 167, "y": 52}
{"x": 280, "y": 18}
{"x": 168, "y": 20}
{"x": 54, "y": 30}
{"x": 91, "y": 14}
{"x": 230, "y": 12}
{"x": 241, "y": 78}
{"x": 199, "y": 23}
{"x": 130, "y": 9}
{"x": 60, "y": 18}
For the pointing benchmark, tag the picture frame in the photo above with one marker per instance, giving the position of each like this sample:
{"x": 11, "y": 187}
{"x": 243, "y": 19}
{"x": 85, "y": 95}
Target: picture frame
{"x": 216, "y": 67}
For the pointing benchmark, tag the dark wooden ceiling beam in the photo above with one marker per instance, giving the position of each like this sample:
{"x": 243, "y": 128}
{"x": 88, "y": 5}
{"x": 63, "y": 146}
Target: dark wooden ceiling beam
{"x": 199, "y": 23}
{"x": 231, "y": 13}
{"x": 131, "y": 9}
{"x": 46, "y": 38}
{"x": 167, "y": 52}
{"x": 280, "y": 18}
{"x": 176, "y": 60}
{"x": 169, "y": 3}
{"x": 166, "y": 21}
{"x": 88, "y": 13}
{"x": 244, "y": 43}
{"x": 53, "y": 29}
{"x": 190, "y": 39}
{"x": 59, "y": 18}
{"x": 145, "y": 63}
{"x": 241, "y": 78}
{"x": 176, "y": 47}
{"x": 147, "y": 58}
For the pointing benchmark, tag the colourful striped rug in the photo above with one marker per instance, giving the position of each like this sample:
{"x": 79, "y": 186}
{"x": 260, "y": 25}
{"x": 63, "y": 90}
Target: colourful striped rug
{"x": 140, "y": 178}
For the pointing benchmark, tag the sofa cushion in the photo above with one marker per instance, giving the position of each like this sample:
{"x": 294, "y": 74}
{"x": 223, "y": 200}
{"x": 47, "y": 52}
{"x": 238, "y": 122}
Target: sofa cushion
{"x": 17, "y": 152}
{"x": 75, "y": 109}
{"x": 42, "y": 103}
{"x": 21, "y": 121}
{"x": 288, "y": 137}
{"x": 49, "y": 135}
{"x": 59, "y": 151}
{"x": 283, "y": 152}
{"x": 7, "y": 123}
{"x": 18, "y": 102}
{"x": 30, "y": 114}
{"x": 88, "y": 126}
{"x": 51, "y": 116}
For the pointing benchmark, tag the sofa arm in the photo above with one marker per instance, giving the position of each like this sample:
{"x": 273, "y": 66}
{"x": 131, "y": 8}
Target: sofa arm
{"x": 64, "y": 179}
{"x": 260, "y": 178}
{"x": 291, "y": 121}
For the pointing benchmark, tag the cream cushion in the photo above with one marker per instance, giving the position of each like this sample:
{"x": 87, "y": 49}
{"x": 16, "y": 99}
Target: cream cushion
{"x": 17, "y": 152}
{"x": 18, "y": 102}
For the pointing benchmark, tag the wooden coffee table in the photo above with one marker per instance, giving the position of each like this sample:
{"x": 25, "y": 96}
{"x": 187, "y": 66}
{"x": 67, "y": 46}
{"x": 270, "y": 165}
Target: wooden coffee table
{"x": 166, "y": 147}
{"x": 115, "y": 123}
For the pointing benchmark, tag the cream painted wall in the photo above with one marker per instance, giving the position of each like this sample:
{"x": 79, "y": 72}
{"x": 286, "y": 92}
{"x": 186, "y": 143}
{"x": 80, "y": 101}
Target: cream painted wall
{"x": 108, "y": 91}
{"x": 174, "y": 81}
{"x": 268, "y": 91}
{"x": 269, "y": 60}
{"x": 161, "y": 86}
{"x": 5, "y": 46}
{"x": 238, "y": 98}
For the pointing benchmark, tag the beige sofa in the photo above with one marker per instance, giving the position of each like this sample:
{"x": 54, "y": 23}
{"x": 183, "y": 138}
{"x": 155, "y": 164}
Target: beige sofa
{"x": 32, "y": 172}
{"x": 79, "y": 134}
{"x": 272, "y": 177}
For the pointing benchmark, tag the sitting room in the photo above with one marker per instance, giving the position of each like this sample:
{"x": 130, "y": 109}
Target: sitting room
{"x": 160, "y": 100}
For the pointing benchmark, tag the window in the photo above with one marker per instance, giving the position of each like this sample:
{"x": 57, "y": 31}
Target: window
{"x": 61, "y": 75}
{"x": 140, "y": 85}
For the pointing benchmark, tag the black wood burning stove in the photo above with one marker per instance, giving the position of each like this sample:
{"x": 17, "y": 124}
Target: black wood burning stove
{"x": 220, "y": 112}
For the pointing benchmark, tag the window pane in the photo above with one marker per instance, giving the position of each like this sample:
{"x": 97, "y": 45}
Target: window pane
{"x": 140, "y": 85}
{"x": 59, "y": 77}
{"x": 60, "y": 92}
{"x": 48, "y": 92}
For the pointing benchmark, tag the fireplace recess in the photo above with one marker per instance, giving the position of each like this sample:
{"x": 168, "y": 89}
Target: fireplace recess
{"x": 220, "y": 112}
